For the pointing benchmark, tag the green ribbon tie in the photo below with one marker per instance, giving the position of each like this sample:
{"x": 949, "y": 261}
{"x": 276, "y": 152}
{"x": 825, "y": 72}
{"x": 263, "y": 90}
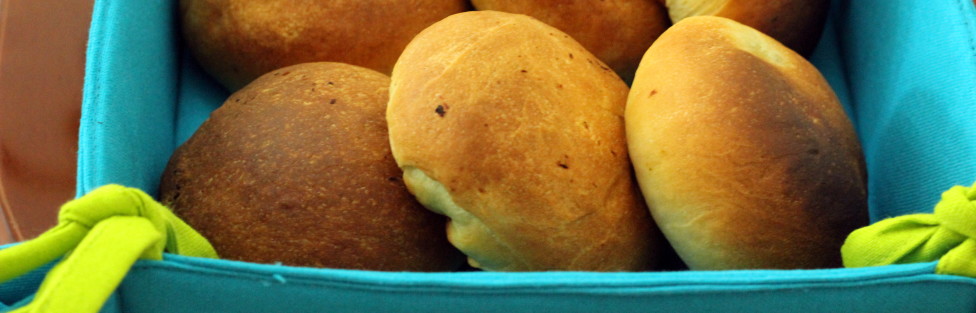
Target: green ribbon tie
{"x": 99, "y": 236}
{"x": 947, "y": 235}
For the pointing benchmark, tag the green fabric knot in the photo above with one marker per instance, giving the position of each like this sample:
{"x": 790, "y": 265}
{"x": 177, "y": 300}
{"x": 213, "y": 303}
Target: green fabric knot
{"x": 99, "y": 236}
{"x": 116, "y": 200}
{"x": 947, "y": 235}
{"x": 105, "y": 202}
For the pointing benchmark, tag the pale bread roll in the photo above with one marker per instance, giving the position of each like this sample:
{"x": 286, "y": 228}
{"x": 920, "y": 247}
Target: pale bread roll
{"x": 236, "y": 41}
{"x": 515, "y": 132}
{"x": 618, "y": 32}
{"x": 796, "y": 23}
{"x": 742, "y": 150}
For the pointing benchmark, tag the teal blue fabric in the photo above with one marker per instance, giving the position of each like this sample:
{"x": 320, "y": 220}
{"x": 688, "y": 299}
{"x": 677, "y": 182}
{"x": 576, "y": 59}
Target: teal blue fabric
{"x": 828, "y": 60}
{"x": 911, "y": 66}
{"x": 198, "y": 96}
{"x": 19, "y": 290}
{"x": 268, "y": 288}
{"x": 130, "y": 94}
{"x": 183, "y": 284}
{"x": 905, "y": 71}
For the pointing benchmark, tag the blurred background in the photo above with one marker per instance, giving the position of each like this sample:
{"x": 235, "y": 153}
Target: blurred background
{"x": 42, "y": 62}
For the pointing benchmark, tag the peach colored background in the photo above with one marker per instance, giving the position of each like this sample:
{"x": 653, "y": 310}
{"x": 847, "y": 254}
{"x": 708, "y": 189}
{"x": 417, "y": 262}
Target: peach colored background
{"x": 42, "y": 60}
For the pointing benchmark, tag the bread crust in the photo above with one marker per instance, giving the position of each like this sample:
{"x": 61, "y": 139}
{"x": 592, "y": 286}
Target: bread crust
{"x": 743, "y": 152}
{"x": 296, "y": 168}
{"x": 238, "y": 40}
{"x": 618, "y": 32}
{"x": 797, "y": 24}
{"x": 524, "y": 129}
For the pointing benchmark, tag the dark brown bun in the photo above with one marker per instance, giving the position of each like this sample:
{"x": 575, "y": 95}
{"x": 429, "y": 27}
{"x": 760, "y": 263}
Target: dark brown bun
{"x": 513, "y": 130}
{"x": 238, "y": 40}
{"x": 618, "y": 32}
{"x": 743, "y": 152}
{"x": 795, "y": 23}
{"x": 296, "y": 168}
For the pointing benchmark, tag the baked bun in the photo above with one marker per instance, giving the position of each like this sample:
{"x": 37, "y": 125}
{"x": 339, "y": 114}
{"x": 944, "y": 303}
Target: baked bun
{"x": 742, "y": 150}
{"x": 238, "y": 40}
{"x": 795, "y": 23}
{"x": 618, "y": 32}
{"x": 296, "y": 168}
{"x": 515, "y": 132}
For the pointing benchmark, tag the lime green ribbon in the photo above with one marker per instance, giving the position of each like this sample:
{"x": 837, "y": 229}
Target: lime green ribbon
{"x": 100, "y": 236}
{"x": 947, "y": 235}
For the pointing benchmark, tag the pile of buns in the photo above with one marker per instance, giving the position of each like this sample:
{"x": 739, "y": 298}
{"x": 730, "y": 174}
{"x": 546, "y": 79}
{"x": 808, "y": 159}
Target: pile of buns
{"x": 523, "y": 135}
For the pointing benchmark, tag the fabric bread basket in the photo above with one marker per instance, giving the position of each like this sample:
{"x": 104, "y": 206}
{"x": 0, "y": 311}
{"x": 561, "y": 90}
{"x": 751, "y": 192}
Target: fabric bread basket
{"x": 905, "y": 71}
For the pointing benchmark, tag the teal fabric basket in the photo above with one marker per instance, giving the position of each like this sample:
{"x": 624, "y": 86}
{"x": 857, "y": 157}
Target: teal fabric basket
{"x": 905, "y": 70}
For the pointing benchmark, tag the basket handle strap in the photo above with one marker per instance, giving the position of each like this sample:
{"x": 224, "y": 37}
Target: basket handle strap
{"x": 100, "y": 236}
{"x": 89, "y": 275}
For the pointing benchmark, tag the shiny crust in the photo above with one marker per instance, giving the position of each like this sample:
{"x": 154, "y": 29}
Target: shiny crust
{"x": 742, "y": 150}
{"x": 797, "y": 24}
{"x": 524, "y": 129}
{"x": 296, "y": 168}
{"x": 238, "y": 40}
{"x": 618, "y": 32}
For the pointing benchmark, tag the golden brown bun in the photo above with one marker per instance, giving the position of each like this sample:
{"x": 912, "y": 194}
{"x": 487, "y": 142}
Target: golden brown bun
{"x": 296, "y": 168}
{"x": 795, "y": 23}
{"x": 514, "y": 131}
{"x": 238, "y": 40}
{"x": 618, "y": 32}
{"x": 742, "y": 150}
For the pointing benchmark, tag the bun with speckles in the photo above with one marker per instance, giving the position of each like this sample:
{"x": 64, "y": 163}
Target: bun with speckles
{"x": 514, "y": 131}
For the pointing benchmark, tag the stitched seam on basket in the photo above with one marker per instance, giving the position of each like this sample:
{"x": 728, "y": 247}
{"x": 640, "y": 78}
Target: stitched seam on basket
{"x": 569, "y": 289}
{"x": 97, "y": 74}
{"x": 93, "y": 93}
{"x": 191, "y": 266}
{"x": 572, "y": 288}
